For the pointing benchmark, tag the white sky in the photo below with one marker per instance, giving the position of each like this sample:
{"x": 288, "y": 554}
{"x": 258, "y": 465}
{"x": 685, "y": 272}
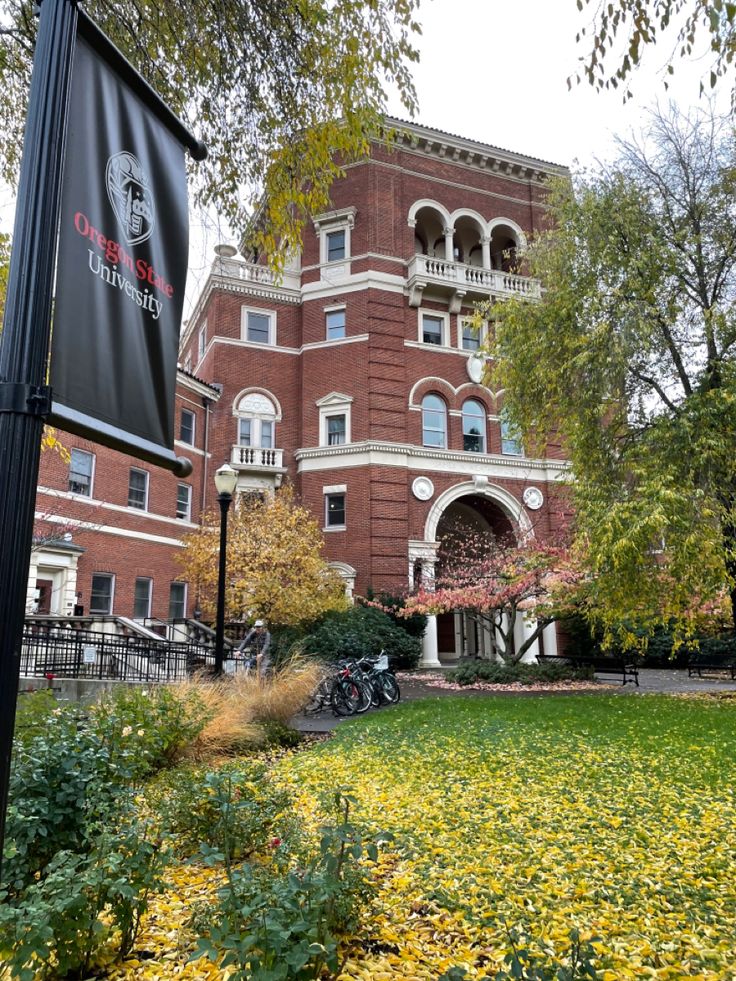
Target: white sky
{"x": 496, "y": 71}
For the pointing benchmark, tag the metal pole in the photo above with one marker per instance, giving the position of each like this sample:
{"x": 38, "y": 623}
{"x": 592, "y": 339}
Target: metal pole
{"x": 25, "y": 343}
{"x": 224, "y": 501}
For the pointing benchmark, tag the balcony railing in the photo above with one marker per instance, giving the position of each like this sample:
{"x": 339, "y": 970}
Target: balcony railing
{"x": 257, "y": 458}
{"x": 458, "y": 278}
{"x": 251, "y": 272}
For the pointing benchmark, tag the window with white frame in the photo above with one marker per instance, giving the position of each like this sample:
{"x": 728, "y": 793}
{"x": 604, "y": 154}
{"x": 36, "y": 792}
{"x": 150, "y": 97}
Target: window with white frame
{"x": 335, "y": 323}
{"x": 202, "y": 341}
{"x": 474, "y": 427}
{"x": 258, "y": 326}
{"x": 138, "y": 489}
{"x": 433, "y": 328}
{"x": 81, "y": 470}
{"x": 256, "y": 415}
{"x": 184, "y": 502}
{"x": 142, "y": 598}
{"x": 177, "y": 600}
{"x": 188, "y": 363}
{"x": 434, "y": 422}
{"x": 334, "y": 229}
{"x": 334, "y": 419}
{"x": 335, "y": 511}
{"x": 471, "y": 336}
{"x": 510, "y": 438}
{"x": 101, "y": 596}
{"x": 187, "y": 424}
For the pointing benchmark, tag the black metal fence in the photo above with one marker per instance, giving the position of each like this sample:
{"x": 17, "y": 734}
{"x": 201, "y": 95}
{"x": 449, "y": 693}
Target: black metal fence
{"x": 69, "y": 652}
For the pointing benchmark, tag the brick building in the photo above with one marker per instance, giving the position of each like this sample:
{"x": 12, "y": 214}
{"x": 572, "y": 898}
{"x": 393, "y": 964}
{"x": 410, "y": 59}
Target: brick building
{"x": 355, "y": 377}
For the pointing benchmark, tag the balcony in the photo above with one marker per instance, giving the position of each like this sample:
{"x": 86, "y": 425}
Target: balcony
{"x": 457, "y": 281}
{"x": 258, "y": 458}
{"x": 254, "y": 274}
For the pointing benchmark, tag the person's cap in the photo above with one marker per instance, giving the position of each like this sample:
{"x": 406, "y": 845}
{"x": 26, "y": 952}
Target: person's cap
{"x": 259, "y": 623}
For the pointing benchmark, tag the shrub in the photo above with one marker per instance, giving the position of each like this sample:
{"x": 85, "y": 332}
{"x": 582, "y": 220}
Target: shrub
{"x": 236, "y": 809}
{"x": 282, "y": 924}
{"x": 414, "y": 625}
{"x": 359, "y": 632}
{"x": 470, "y": 672}
{"x": 56, "y": 926}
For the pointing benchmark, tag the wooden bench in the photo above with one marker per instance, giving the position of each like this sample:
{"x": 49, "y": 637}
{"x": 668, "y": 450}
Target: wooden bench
{"x": 616, "y": 664}
{"x": 699, "y": 661}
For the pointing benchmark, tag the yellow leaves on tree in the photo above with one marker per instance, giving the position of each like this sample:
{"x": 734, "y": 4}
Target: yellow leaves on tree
{"x": 275, "y": 568}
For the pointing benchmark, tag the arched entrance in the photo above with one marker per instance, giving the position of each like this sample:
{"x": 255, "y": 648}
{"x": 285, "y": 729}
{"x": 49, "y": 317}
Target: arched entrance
{"x": 473, "y": 508}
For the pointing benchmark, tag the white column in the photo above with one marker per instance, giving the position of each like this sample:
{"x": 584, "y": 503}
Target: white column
{"x": 485, "y": 245}
{"x": 449, "y": 253}
{"x": 429, "y": 645}
{"x": 31, "y": 588}
{"x": 522, "y": 631}
{"x": 549, "y": 635}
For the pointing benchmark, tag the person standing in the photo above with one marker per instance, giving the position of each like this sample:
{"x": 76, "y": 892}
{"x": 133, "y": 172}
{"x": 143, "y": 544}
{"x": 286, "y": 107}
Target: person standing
{"x": 257, "y": 643}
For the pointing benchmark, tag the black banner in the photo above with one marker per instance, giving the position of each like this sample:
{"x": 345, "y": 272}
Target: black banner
{"x": 122, "y": 259}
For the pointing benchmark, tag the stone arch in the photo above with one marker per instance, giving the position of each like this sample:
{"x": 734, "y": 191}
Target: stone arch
{"x": 252, "y": 390}
{"x": 506, "y": 501}
{"x": 431, "y": 384}
{"x": 431, "y": 204}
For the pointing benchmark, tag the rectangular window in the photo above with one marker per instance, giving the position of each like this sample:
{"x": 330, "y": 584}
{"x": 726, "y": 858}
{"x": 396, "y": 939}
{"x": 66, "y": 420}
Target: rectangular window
{"x": 142, "y": 599}
{"x": 336, "y": 430}
{"x": 336, "y": 246}
{"x": 202, "y": 340}
{"x": 258, "y": 327}
{"x": 432, "y": 329}
{"x": 177, "y": 601}
{"x": 138, "y": 489}
{"x": 244, "y": 432}
{"x": 267, "y": 434}
{"x": 335, "y": 324}
{"x": 81, "y": 466}
{"x": 334, "y": 510}
{"x": 510, "y": 439}
{"x": 471, "y": 336}
{"x": 100, "y": 601}
{"x": 186, "y": 427}
{"x": 188, "y": 364}
{"x": 184, "y": 502}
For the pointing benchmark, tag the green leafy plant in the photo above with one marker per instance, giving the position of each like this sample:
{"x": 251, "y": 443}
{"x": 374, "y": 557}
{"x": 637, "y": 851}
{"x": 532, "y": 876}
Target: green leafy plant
{"x": 281, "y": 923}
{"x": 471, "y": 672}
{"x": 362, "y": 631}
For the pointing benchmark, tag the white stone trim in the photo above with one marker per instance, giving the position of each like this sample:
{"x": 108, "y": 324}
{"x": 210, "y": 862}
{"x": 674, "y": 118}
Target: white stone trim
{"x": 411, "y": 457}
{"x": 348, "y": 575}
{"x": 355, "y": 339}
{"x": 436, "y": 348}
{"x": 107, "y": 506}
{"x": 499, "y": 495}
{"x": 435, "y": 379}
{"x": 370, "y": 279}
{"x": 335, "y": 489}
{"x": 115, "y": 530}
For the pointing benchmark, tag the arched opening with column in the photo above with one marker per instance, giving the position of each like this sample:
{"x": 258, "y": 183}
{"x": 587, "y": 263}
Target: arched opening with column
{"x": 469, "y": 508}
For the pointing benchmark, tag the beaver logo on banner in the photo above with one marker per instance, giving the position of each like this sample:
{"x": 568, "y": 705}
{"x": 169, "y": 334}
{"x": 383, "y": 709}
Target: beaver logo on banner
{"x": 123, "y": 250}
{"x": 130, "y": 196}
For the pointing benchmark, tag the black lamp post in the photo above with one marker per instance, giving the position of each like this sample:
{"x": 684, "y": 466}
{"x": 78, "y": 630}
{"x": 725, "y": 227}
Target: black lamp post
{"x": 226, "y": 480}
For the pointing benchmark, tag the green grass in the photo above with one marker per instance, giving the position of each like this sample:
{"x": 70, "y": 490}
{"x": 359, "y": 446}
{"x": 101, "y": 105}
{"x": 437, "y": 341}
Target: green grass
{"x": 615, "y": 815}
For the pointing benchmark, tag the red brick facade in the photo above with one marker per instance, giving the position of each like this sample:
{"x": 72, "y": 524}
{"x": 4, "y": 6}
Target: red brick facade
{"x": 427, "y": 228}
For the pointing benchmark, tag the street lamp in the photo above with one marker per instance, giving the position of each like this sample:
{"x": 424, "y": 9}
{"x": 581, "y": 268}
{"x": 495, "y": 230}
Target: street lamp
{"x": 226, "y": 479}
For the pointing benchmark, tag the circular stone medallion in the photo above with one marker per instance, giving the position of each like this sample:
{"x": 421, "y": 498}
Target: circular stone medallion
{"x": 423, "y": 488}
{"x": 533, "y": 498}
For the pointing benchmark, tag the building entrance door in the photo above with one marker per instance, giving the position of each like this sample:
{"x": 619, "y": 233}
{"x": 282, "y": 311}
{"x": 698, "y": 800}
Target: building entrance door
{"x": 45, "y": 588}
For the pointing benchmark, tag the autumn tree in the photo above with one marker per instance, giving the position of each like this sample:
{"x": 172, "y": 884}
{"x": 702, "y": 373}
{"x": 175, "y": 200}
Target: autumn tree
{"x": 623, "y": 30}
{"x": 283, "y": 92}
{"x": 630, "y": 355}
{"x": 275, "y": 569}
{"x": 496, "y": 582}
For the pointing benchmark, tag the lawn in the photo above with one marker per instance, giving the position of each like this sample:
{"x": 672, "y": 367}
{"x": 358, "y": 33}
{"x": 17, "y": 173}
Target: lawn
{"x": 612, "y": 815}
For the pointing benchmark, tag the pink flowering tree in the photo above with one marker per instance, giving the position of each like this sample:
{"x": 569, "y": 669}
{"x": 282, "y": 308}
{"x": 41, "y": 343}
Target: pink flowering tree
{"x": 495, "y": 581}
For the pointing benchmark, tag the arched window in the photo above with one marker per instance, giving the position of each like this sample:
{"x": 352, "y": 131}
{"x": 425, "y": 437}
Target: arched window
{"x": 434, "y": 422}
{"x": 474, "y": 427}
{"x": 256, "y": 421}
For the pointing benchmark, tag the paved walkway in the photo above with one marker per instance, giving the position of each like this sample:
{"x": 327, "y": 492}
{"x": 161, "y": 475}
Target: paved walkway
{"x": 662, "y": 680}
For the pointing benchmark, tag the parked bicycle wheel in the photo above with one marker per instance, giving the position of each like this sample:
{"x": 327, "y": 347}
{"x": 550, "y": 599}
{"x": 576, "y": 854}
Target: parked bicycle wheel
{"x": 366, "y": 694}
{"x": 346, "y": 697}
{"x": 390, "y": 688}
{"x": 320, "y": 699}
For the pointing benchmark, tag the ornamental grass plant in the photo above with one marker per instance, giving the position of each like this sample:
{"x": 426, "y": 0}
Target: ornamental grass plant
{"x": 241, "y": 707}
